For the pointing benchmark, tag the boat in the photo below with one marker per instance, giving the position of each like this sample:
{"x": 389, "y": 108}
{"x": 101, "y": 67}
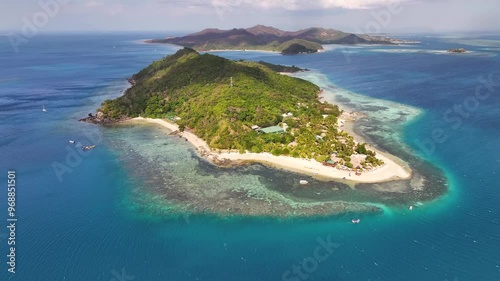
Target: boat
{"x": 87, "y": 147}
{"x": 43, "y": 108}
{"x": 356, "y": 221}
{"x": 72, "y": 141}
{"x": 411, "y": 208}
{"x": 303, "y": 182}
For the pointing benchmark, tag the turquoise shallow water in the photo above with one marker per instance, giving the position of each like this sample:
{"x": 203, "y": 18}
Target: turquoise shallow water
{"x": 96, "y": 225}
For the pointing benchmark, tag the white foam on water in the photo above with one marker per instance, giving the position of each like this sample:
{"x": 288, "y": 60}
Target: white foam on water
{"x": 476, "y": 42}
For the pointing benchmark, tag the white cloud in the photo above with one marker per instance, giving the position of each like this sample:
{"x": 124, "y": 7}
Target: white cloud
{"x": 357, "y": 4}
{"x": 93, "y": 4}
{"x": 107, "y": 8}
{"x": 117, "y": 9}
{"x": 305, "y": 4}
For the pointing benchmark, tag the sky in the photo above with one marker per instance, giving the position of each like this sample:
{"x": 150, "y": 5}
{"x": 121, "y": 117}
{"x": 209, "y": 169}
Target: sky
{"x": 359, "y": 16}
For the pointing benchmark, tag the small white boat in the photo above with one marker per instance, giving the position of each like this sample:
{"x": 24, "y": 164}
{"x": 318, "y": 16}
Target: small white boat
{"x": 303, "y": 182}
{"x": 43, "y": 108}
{"x": 411, "y": 208}
{"x": 356, "y": 221}
{"x": 72, "y": 141}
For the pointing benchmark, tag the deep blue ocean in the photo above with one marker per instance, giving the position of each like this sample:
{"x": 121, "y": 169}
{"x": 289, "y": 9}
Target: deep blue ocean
{"x": 85, "y": 222}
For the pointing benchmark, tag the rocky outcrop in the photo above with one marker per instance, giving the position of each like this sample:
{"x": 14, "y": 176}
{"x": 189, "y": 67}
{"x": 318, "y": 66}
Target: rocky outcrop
{"x": 457, "y": 51}
{"x": 100, "y": 119}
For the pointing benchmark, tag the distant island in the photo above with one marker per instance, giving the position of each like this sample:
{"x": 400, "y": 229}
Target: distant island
{"x": 457, "y": 51}
{"x": 268, "y": 38}
{"x": 246, "y": 111}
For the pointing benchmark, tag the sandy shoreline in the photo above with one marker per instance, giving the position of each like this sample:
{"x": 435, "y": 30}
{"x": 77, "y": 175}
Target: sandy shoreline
{"x": 388, "y": 172}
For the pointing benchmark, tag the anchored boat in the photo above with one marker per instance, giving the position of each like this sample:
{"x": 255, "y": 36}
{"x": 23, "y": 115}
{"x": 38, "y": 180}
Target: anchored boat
{"x": 87, "y": 147}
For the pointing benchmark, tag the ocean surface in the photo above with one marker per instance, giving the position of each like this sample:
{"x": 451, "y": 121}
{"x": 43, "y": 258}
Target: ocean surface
{"x": 94, "y": 216}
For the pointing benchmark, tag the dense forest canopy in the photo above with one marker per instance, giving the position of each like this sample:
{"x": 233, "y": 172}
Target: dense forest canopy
{"x": 220, "y": 100}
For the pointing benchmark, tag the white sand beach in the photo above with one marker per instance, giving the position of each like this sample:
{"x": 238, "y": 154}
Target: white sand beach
{"x": 388, "y": 172}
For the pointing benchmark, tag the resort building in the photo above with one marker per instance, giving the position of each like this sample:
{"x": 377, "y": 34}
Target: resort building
{"x": 273, "y": 130}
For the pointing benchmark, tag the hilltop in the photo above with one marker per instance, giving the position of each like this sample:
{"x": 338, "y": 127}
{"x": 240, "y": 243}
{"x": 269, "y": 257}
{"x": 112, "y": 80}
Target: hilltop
{"x": 226, "y": 102}
{"x": 268, "y": 38}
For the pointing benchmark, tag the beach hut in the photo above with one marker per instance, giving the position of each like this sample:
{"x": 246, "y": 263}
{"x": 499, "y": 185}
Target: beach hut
{"x": 330, "y": 163}
{"x": 273, "y": 130}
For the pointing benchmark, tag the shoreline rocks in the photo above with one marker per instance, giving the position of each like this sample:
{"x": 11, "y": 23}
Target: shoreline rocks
{"x": 100, "y": 119}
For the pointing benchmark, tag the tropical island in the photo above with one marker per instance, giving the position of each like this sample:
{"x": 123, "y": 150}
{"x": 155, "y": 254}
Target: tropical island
{"x": 244, "y": 111}
{"x": 457, "y": 51}
{"x": 266, "y": 38}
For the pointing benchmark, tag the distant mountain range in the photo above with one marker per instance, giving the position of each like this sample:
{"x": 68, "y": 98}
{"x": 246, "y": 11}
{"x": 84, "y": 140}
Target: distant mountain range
{"x": 268, "y": 38}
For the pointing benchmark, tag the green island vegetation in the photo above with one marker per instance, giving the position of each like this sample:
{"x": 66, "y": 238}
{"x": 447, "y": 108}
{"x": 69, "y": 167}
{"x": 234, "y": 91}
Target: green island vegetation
{"x": 299, "y": 46}
{"x": 267, "y": 38}
{"x": 282, "y": 68}
{"x": 290, "y": 47}
{"x": 223, "y": 101}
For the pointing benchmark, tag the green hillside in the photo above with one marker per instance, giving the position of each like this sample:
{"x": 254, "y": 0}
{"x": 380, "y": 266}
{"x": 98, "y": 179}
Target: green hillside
{"x": 268, "y": 38}
{"x": 297, "y": 46}
{"x": 197, "y": 89}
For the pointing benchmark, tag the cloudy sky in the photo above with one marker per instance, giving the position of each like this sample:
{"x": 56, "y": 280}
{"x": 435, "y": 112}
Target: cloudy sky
{"x": 367, "y": 16}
